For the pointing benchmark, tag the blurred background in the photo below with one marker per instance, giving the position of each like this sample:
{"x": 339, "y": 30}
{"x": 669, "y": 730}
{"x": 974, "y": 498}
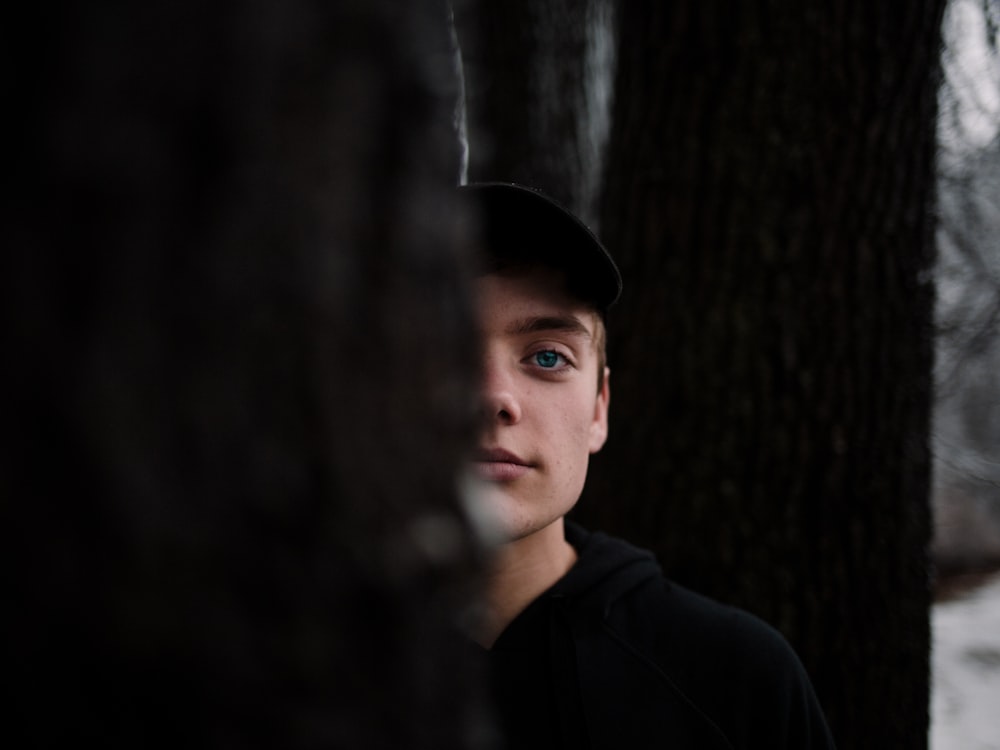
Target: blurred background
{"x": 966, "y": 431}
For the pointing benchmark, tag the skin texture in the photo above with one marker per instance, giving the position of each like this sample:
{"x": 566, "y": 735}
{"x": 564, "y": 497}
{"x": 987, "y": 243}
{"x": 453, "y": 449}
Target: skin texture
{"x": 543, "y": 418}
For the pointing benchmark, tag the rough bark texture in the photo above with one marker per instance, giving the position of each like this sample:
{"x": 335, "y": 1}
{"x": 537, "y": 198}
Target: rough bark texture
{"x": 768, "y": 198}
{"x": 768, "y": 195}
{"x": 237, "y": 383}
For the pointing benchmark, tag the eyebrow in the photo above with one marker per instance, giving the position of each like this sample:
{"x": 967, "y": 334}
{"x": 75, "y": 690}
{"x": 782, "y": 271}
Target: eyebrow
{"x": 536, "y": 324}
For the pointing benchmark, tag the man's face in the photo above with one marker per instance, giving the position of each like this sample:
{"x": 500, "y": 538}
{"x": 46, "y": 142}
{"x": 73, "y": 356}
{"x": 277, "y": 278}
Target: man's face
{"x": 544, "y": 413}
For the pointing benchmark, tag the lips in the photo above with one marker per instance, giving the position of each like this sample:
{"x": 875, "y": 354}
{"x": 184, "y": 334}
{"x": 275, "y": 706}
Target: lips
{"x": 499, "y": 465}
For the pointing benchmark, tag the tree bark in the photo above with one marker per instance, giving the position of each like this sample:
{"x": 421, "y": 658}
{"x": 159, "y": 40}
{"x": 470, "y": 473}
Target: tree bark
{"x": 538, "y": 79}
{"x": 768, "y": 197}
{"x": 237, "y": 384}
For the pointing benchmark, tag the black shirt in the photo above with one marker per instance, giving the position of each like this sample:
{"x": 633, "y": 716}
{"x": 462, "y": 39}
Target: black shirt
{"x": 616, "y": 656}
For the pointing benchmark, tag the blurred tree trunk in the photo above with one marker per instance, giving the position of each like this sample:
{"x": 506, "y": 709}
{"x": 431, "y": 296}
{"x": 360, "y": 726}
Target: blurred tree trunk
{"x": 538, "y": 78}
{"x": 237, "y": 391}
{"x": 768, "y": 195}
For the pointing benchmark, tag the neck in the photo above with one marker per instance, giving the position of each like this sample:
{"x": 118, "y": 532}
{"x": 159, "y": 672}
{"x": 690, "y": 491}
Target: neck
{"x": 519, "y": 572}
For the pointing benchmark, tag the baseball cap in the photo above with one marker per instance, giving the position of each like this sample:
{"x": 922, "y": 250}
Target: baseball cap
{"x": 522, "y": 225}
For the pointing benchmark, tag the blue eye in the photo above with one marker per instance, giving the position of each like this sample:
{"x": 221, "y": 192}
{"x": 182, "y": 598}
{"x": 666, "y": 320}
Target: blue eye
{"x": 547, "y": 359}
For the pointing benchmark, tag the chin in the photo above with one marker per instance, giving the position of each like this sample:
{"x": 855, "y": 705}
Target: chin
{"x": 503, "y": 516}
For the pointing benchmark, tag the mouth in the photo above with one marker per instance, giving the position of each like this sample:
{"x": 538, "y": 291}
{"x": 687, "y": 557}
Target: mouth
{"x": 500, "y": 456}
{"x": 498, "y": 465}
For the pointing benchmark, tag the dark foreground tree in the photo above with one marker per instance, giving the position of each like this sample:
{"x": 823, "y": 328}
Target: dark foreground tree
{"x": 768, "y": 195}
{"x": 236, "y": 388}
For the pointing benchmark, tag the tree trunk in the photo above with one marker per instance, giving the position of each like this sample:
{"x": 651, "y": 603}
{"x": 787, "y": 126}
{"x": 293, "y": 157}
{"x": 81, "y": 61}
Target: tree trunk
{"x": 237, "y": 385}
{"x": 768, "y": 197}
{"x": 538, "y": 80}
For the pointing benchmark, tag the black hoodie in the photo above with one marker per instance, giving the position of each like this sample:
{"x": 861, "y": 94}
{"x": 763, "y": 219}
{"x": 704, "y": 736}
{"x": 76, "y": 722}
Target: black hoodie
{"x": 616, "y": 656}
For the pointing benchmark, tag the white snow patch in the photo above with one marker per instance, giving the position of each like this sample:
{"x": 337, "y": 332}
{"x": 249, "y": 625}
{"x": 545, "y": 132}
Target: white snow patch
{"x": 965, "y": 667}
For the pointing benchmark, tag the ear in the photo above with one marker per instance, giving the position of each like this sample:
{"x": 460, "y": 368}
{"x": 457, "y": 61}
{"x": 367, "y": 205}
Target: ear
{"x": 599, "y": 427}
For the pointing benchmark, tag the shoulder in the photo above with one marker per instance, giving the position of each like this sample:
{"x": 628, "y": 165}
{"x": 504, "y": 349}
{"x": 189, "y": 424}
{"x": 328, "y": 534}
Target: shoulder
{"x": 732, "y": 672}
{"x": 626, "y": 589}
{"x": 666, "y": 620}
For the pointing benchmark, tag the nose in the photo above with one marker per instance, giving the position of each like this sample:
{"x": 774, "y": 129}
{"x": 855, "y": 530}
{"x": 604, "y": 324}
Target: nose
{"x": 500, "y": 404}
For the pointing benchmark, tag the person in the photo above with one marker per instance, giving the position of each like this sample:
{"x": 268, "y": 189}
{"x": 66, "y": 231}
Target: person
{"x": 588, "y": 644}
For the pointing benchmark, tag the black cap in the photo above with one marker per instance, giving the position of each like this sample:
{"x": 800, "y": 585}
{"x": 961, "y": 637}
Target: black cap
{"x": 522, "y": 225}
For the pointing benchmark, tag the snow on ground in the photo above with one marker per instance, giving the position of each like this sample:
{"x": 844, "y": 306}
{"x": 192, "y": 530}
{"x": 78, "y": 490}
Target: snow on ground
{"x": 965, "y": 665}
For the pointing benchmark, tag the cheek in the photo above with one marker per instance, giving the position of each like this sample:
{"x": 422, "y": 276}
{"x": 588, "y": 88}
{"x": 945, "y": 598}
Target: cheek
{"x": 576, "y": 420}
{"x": 562, "y": 420}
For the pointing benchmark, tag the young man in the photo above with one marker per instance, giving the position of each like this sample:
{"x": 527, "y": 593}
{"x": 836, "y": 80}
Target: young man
{"x": 588, "y": 644}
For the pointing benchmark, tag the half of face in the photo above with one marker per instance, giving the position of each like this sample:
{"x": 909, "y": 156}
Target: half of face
{"x": 543, "y": 410}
